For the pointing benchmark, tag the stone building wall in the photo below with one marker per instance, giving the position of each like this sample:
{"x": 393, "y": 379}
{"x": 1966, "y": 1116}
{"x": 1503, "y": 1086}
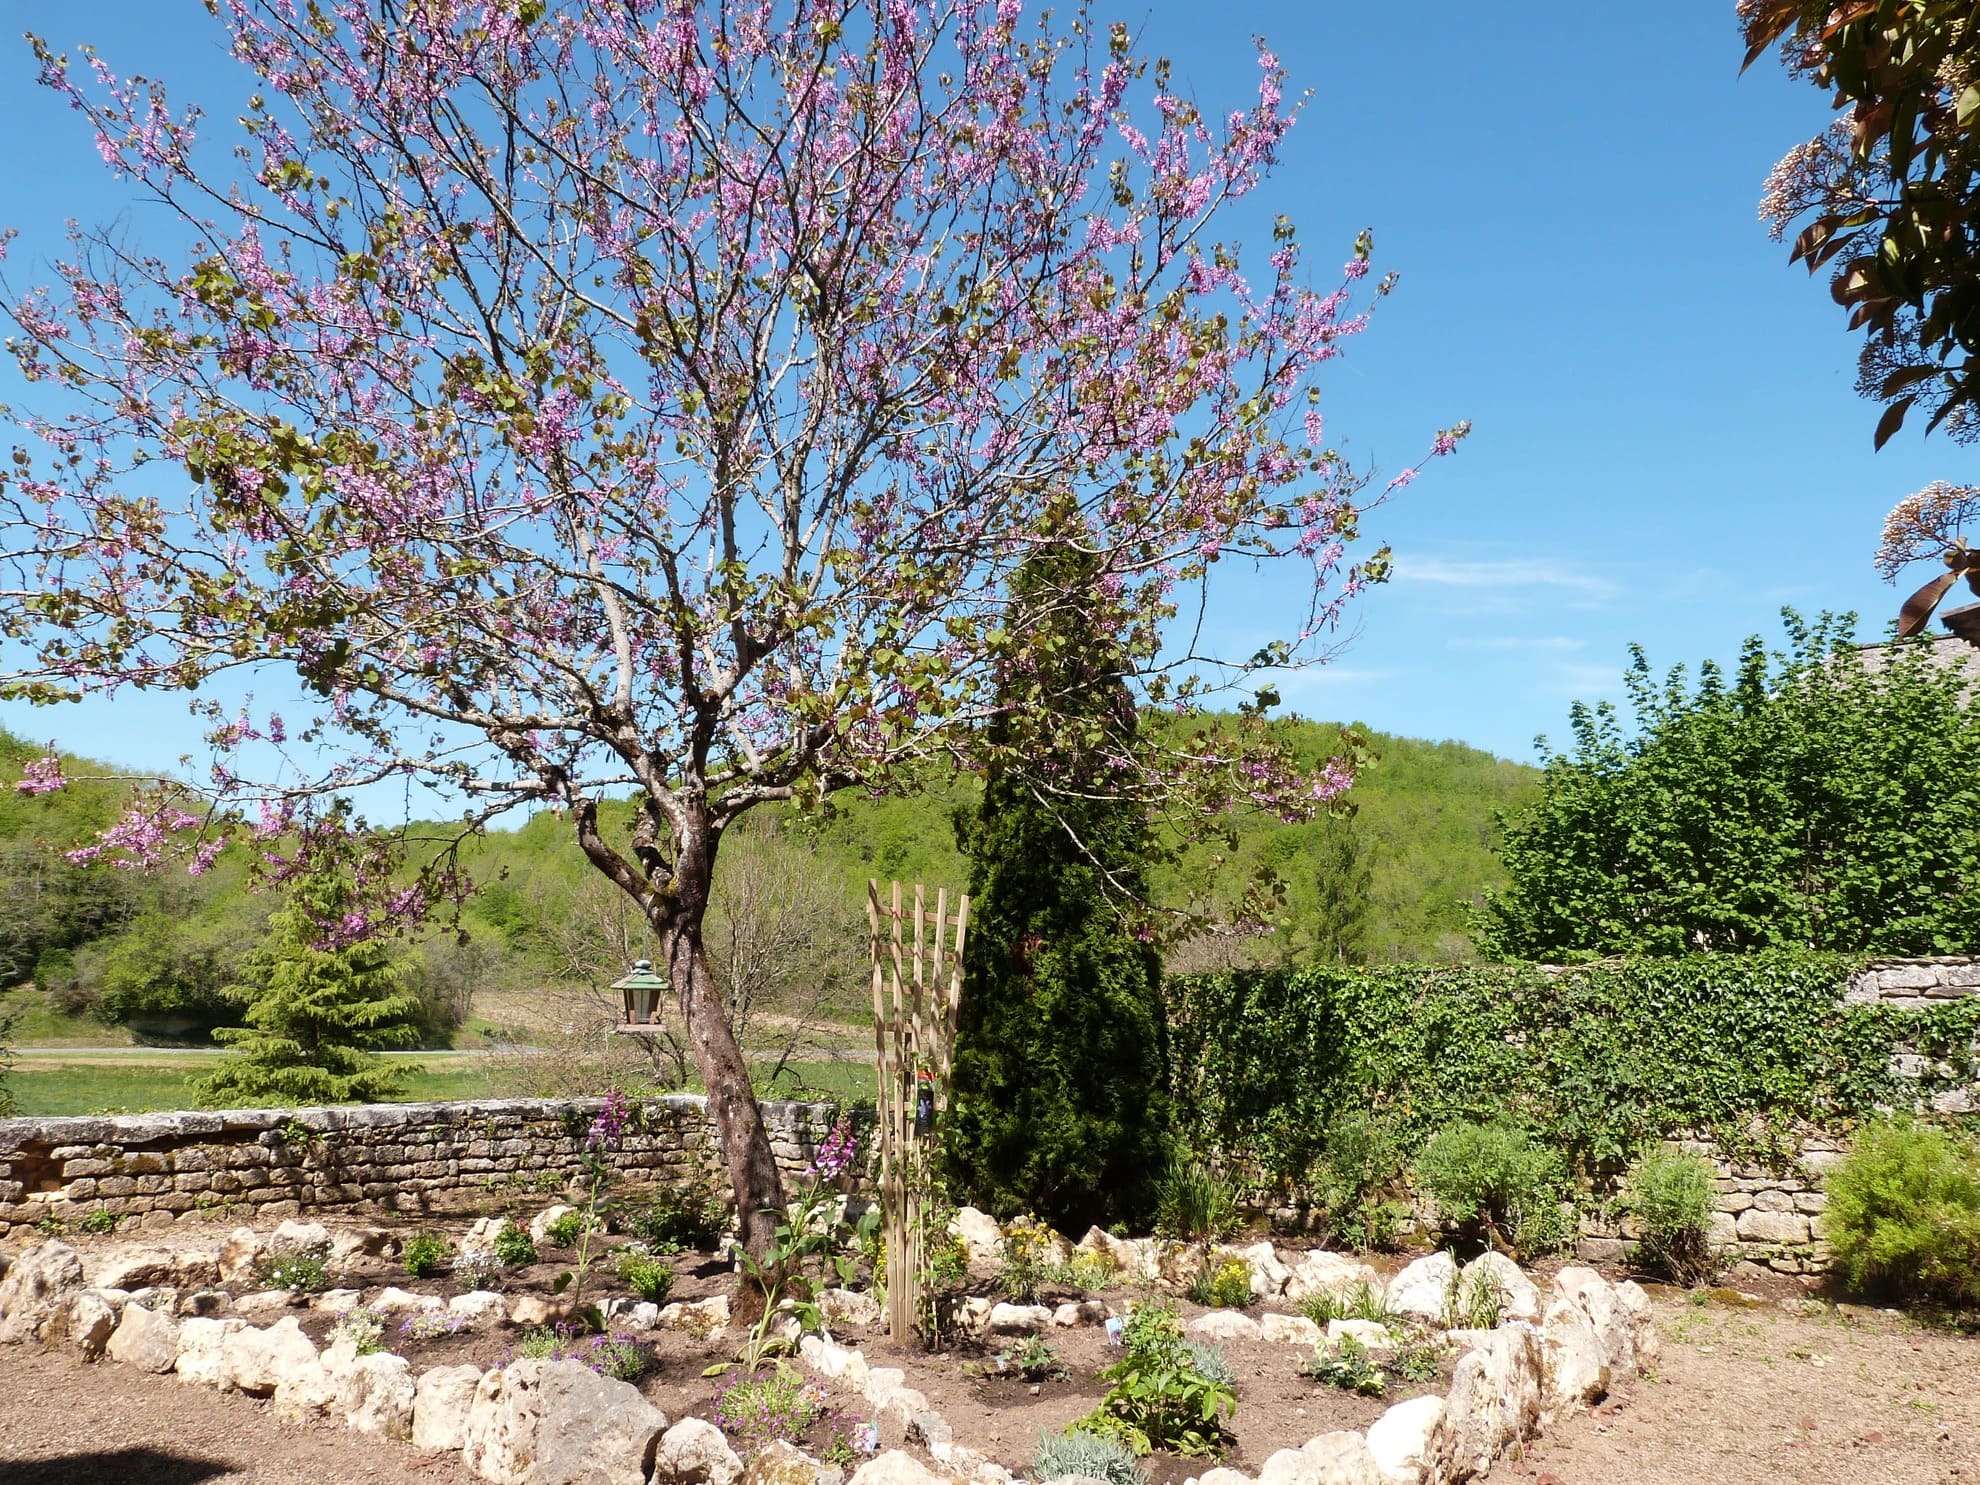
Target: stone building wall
{"x": 408, "y": 1158}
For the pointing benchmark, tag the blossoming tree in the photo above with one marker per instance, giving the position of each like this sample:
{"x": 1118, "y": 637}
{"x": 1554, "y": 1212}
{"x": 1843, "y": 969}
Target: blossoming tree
{"x": 649, "y": 399}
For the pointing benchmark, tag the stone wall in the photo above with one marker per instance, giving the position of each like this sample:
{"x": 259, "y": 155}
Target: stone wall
{"x": 409, "y": 1158}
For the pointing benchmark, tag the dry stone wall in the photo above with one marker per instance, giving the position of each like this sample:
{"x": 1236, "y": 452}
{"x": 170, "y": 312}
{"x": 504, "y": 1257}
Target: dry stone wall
{"x": 410, "y": 1158}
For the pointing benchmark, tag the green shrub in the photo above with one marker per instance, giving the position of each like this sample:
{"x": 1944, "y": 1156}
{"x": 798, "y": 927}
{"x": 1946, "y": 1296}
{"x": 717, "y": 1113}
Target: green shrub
{"x": 1904, "y": 1214}
{"x": 545, "y": 1343}
{"x": 563, "y": 1231}
{"x": 1497, "y": 1184}
{"x": 1209, "y": 1360}
{"x": 623, "y": 1358}
{"x": 1195, "y": 1203}
{"x": 364, "y": 1329}
{"x": 1362, "y": 1300}
{"x": 299, "y": 1273}
{"x": 1091, "y": 1455}
{"x": 690, "y": 1215}
{"x": 1157, "y": 1398}
{"x": 762, "y": 1408}
{"x": 513, "y": 1246}
{"x": 1223, "y": 1286}
{"x": 98, "y": 1220}
{"x": 1349, "y": 1367}
{"x": 1033, "y": 1359}
{"x": 651, "y": 1278}
{"x": 1672, "y": 1195}
{"x": 1084, "y": 1273}
{"x": 425, "y": 1252}
{"x": 1474, "y": 1302}
{"x": 478, "y": 1268}
{"x": 1355, "y": 1181}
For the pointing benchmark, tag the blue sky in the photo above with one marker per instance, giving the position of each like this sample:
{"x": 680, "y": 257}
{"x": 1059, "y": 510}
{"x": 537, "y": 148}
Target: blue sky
{"x": 1666, "y": 448}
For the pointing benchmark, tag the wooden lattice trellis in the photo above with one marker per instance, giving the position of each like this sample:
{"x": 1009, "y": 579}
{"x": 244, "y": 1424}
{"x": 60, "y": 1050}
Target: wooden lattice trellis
{"x": 917, "y": 987}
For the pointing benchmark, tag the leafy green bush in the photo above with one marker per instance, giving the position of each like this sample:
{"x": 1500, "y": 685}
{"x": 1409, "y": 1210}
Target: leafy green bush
{"x": 1672, "y": 1195}
{"x": 1209, "y": 1360}
{"x": 1362, "y": 1300}
{"x": 1355, "y": 1181}
{"x": 513, "y": 1246}
{"x": 1223, "y": 1286}
{"x": 545, "y": 1343}
{"x": 1904, "y": 1213}
{"x": 1348, "y": 1366}
{"x": 425, "y": 1252}
{"x": 563, "y": 1231}
{"x": 767, "y": 1406}
{"x": 1195, "y": 1203}
{"x": 651, "y": 1278}
{"x": 98, "y": 1220}
{"x": 1091, "y": 1455}
{"x": 1157, "y": 1398}
{"x": 299, "y": 1273}
{"x": 690, "y": 1215}
{"x": 1033, "y": 1359}
{"x": 624, "y": 1358}
{"x": 1474, "y": 1302}
{"x": 1496, "y": 1183}
{"x": 1084, "y": 1273}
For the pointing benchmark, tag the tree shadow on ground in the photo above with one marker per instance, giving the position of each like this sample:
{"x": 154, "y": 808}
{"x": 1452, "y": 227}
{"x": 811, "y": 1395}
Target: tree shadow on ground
{"x": 140, "y": 1466}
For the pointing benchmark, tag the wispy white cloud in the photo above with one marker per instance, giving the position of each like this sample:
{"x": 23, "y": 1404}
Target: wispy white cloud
{"x": 1331, "y": 678}
{"x": 1545, "y": 643}
{"x": 1507, "y": 574}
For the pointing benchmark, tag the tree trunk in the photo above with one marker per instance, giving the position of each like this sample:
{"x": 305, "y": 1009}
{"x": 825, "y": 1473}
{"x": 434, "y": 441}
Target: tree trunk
{"x": 732, "y": 1102}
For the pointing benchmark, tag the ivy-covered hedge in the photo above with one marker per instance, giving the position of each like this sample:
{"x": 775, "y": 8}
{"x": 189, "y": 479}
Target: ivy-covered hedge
{"x": 1598, "y": 1059}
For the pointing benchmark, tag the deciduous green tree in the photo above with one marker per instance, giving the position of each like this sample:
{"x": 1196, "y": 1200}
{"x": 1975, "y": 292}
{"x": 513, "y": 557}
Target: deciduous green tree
{"x": 319, "y": 1006}
{"x": 1058, "y": 1104}
{"x": 1825, "y": 797}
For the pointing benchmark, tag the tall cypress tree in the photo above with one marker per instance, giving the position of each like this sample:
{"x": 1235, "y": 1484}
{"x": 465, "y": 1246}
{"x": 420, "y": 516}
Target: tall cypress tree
{"x": 1058, "y": 1105}
{"x": 317, "y": 1011}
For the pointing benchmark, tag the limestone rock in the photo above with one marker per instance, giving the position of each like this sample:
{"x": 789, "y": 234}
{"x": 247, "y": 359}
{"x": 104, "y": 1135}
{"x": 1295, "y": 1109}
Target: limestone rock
{"x": 981, "y": 1235}
{"x": 973, "y": 1314}
{"x": 238, "y": 1255}
{"x": 265, "y": 1302}
{"x": 1009, "y": 1319}
{"x": 834, "y": 1362}
{"x": 257, "y": 1361}
{"x": 560, "y": 1423}
{"x": 694, "y": 1452}
{"x": 968, "y": 1465}
{"x": 531, "y": 1310}
{"x": 136, "y": 1268}
{"x": 292, "y": 1236}
{"x": 1136, "y": 1258}
{"x": 1321, "y": 1272}
{"x": 1493, "y": 1402}
{"x": 310, "y": 1392}
{"x": 92, "y": 1319}
{"x": 1423, "y": 1288}
{"x": 539, "y": 1225}
{"x": 1640, "y": 1321}
{"x": 1574, "y": 1364}
{"x": 337, "y": 1301}
{"x": 882, "y": 1382}
{"x": 1269, "y": 1275}
{"x": 1340, "y": 1458}
{"x": 362, "y": 1242}
{"x": 711, "y": 1314}
{"x": 441, "y": 1399}
{"x": 632, "y": 1314}
{"x": 892, "y": 1468}
{"x": 779, "y": 1463}
{"x": 200, "y": 1342}
{"x": 482, "y": 1306}
{"x": 1222, "y": 1476}
{"x": 376, "y": 1394}
{"x": 1519, "y": 1298}
{"x": 396, "y": 1301}
{"x": 1079, "y": 1312}
{"x": 1225, "y": 1325}
{"x": 1289, "y": 1330}
{"x": 1593, "y": 1295}
{"x": 205, "y": 1302}
{"x": 849, "y": 1307}
{"x": 35, "y": 1293}
{"x": 1400, "y": 1438}
{"x": 145, "y": 1339}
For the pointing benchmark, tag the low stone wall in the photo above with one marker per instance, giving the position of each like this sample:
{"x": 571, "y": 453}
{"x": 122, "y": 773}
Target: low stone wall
{"x": 409, "y": 1158}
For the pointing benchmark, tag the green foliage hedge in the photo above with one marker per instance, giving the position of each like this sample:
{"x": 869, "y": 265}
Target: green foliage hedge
{"x": 1598, "y": 1060}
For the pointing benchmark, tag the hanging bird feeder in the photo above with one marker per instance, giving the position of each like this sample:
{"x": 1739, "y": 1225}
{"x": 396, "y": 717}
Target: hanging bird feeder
{"x": 640, "y": 993}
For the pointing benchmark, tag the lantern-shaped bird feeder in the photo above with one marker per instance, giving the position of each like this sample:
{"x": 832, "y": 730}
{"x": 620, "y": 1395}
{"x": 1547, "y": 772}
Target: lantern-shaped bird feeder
{"x": 640, "y": 993}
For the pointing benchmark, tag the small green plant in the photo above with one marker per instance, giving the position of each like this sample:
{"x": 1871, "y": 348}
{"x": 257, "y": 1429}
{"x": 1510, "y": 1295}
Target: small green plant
{"x": 690, "y": 1215}
{"x": 299, "y": 1273}
{"x": 1473, "y": 1302}
{"x": 545, "y": 1343}
{"x": 763, "y": 1407}
{"x": 564, "y": 1230}
{"x": 1084, "y": 1273}
{"x": 98, "y": 1220}
{"x": 1904, "y": 1214}
{"x": 1223, "y": 1286}
{"x": 1349, "y": 1367}
{"x": 1034, "y": 1360}
{"x": 1209, "y": 1360}
{"x": 512, "y": 1245}
{"x": 1025, "y": 1273}
{"x": 621, "y": 1357}
{"x": 425, "y": 1252}
{"x": 1498, "y": 1185}
{"x": 1089, "y": 1455}
{"x": 651, "y": 1278}
{"x": 1416, "y": 1361}
{"x": 1195, "y": 1204}
{"x": 478, "y": 1268}
{"x": 1361, "y": 1300}
{"x": 1156, "y": 1397}
{"x": 431, "y": 1325}
{"x": 1672, "y": 1196}
{"x": 1355, "y": 1180}
{"x": 362, "y": 1328}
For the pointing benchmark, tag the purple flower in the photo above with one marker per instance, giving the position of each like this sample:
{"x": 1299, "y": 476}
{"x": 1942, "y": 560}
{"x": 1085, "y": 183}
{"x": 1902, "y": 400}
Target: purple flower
{"x": 610, "y": 1125}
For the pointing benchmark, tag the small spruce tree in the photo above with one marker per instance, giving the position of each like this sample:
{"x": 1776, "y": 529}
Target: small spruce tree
{"x": 318, "y": 1009}
{"x": 1058, "y": 1105}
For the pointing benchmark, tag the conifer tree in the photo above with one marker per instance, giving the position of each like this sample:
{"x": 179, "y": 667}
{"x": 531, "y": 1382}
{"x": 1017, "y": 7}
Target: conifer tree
{"x": 319, "y": 1006}
{"x": 1058, "y": 1105}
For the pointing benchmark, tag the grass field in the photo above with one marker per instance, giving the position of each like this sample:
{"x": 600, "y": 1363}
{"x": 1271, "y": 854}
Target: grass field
{"x": 131, "y": 1085}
